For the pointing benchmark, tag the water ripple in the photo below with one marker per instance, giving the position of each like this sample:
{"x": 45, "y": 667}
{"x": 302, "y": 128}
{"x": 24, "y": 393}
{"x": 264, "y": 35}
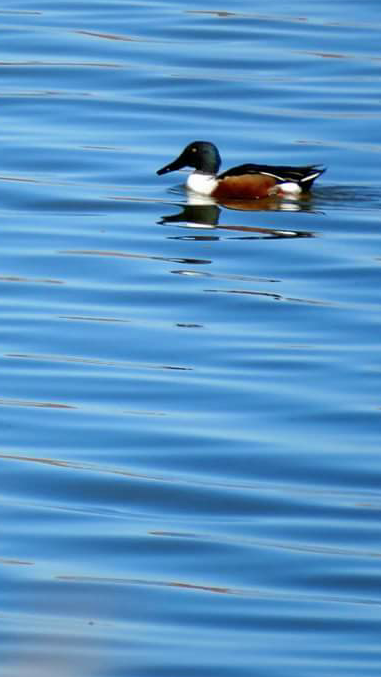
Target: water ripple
{"x": 189, "y": 399}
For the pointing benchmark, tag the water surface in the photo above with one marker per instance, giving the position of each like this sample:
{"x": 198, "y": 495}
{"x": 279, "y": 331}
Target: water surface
{"x": 190, "y": 401}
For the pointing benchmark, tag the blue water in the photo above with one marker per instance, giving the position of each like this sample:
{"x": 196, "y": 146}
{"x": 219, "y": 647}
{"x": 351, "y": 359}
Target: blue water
{"x": 190, "y": 475}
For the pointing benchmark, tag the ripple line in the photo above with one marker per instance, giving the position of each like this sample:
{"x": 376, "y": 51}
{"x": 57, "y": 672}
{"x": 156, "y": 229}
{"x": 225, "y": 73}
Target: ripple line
{"x": 30, "y": 280}
{"x": 84, "y": 318}
{"x": 31, "y": 403}
{"x": 273, "y": 295}
{"x": 125, "y": 255}
{"x": 94, "y": 361}
{"x": 222, "y": 590}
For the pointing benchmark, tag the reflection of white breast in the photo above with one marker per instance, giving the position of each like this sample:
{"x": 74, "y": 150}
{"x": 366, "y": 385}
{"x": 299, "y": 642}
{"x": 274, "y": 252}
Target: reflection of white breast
{"x": 199, "y": 200}
{"x": 202, "y": 183}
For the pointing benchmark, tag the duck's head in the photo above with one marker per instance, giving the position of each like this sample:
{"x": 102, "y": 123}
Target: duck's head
{"x": 202, "y": 155}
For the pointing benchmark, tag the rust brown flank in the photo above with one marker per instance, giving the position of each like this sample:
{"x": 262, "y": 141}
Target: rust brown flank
{"x": 247, "y": 186}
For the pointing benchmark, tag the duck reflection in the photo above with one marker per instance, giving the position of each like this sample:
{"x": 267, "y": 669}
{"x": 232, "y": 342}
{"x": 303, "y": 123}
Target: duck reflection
{"x": 204, "y": 213}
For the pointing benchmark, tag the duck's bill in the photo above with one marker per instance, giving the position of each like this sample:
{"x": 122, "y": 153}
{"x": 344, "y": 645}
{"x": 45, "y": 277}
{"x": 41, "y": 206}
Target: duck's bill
{"x": 172, "y": 167}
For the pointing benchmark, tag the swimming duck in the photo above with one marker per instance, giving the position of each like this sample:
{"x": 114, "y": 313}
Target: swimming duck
{"x": 248, "y": 182}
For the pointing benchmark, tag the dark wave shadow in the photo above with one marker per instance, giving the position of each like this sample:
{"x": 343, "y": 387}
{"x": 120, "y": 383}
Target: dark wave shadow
{"x": 345, "y": 197}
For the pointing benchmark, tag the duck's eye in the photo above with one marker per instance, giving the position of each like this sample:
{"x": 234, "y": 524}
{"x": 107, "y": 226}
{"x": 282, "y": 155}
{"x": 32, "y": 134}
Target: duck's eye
{"x": 194, "y": 150}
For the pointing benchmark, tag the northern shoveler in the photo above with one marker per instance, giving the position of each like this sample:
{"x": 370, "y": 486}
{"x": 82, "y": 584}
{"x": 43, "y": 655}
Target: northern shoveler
{"x": 246, "y": 182}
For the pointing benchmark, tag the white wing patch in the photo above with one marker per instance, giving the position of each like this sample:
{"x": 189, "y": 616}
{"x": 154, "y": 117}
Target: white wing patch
{"x": 274, "y": 176}
{"x": 286, "y": 188}
{"x": 310, "y": 177}
{"x": 305, "y": 178}
{"x": 290, "y": 187}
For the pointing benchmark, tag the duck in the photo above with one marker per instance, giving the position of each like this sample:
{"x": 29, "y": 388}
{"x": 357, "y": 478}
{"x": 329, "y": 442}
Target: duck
{"x": 244, "y": 182}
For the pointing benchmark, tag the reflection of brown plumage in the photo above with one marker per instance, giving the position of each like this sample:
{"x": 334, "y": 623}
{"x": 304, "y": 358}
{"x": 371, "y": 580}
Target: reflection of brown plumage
{"x": 196, "y": 216}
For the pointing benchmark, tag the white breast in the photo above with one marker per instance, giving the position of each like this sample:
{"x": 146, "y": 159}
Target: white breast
{"x": 202, "y": 183}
